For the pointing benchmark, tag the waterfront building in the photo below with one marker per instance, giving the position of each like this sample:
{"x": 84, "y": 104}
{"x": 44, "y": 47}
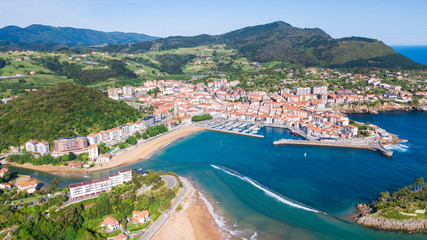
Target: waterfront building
{"x": 42, "y": 147}
{"x": 71, "y": 144}
{"x": 95, "y": 187}
{"x": 105, "y": 158}
{"x": 3, "y": 171}
{"x": 93, "y": 151}
{"x": 29, "y": 186}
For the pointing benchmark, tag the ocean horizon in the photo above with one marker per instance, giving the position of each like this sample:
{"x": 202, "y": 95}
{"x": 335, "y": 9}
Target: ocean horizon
{"x": 417, "y": 53}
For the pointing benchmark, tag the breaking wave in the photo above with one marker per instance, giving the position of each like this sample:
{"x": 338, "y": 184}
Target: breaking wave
{"x": 267, "y": 191}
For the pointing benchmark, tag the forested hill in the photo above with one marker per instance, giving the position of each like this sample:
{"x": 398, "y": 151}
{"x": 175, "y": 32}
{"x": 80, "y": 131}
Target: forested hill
{"x": 68, "y": 36}
{"x": 61, "y": 110}
{"x": 283, "y": 42}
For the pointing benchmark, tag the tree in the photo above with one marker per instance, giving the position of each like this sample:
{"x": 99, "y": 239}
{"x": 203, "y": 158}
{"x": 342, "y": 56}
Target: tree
{"x": 53, "y": 185}
{"x": 71, "y": 156}
{"x": 131, "y": 140}
{"x": 419, "y": 184}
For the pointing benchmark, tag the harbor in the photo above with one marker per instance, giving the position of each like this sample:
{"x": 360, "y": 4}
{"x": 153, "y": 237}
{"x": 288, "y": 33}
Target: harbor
{"x": 372, "y": 145}
{"x": 232, "y": 127}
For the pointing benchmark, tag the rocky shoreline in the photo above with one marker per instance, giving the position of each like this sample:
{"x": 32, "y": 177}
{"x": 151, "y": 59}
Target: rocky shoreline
{"x": 365, "y": 218}
{"x": 381, "y": 107}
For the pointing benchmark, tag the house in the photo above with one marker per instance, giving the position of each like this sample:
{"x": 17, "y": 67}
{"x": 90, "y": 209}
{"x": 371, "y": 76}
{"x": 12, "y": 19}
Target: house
{"x": 3, "y": 171}
{"x": 30, "y": 146}
{"x": 140, "y": 216}
{"x": 106, "y": 158}
{"x": 110, "y": 223}
{"x": 74, "y": 164}
{"x": 93, "y": 151}
{"x": 29, "y": 186}
{"x": 121, "y": 236}
{"x": 5, "y": 186}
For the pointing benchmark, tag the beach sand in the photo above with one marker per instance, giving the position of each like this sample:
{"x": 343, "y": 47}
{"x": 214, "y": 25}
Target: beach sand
{"x": 136, "y": 154}
{"x": 193, "y": 223}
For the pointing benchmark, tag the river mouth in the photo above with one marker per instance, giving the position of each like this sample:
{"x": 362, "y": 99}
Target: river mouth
{"x": 330, "y": 180}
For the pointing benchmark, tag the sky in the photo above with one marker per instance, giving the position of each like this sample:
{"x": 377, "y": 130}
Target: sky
{"x": 396, "y": 22}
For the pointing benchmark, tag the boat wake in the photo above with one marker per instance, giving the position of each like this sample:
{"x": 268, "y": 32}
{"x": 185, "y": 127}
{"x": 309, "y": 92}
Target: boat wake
{"x": 267, "y": 191}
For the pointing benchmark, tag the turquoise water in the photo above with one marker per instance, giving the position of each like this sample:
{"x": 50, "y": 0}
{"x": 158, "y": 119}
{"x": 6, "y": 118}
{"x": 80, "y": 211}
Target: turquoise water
{"x": 416, "y": 53}
{"x": 269, "y": 192}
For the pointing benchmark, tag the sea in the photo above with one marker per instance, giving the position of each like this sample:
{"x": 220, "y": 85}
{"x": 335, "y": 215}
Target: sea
{"x": 416, "y": 53}
{"x": 256, "y": 190}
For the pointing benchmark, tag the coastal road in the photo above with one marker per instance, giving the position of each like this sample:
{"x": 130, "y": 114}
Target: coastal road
{"x": 149, "y": 233}
{"x": 171, "y": 181}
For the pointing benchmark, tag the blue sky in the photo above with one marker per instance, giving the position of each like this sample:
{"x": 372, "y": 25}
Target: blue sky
{"x": 396, "y": 22}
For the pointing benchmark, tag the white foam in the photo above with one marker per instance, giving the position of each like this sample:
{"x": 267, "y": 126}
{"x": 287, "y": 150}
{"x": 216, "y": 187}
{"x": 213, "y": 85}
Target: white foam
{"x": 220, "y": 221}
{"x": 398, "y": 147}
{"x": 266, "y": 190}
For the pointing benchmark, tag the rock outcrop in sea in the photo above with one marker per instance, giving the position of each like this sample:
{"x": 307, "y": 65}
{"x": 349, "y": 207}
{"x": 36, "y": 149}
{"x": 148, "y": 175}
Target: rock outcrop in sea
{"x": 364, "y": 218}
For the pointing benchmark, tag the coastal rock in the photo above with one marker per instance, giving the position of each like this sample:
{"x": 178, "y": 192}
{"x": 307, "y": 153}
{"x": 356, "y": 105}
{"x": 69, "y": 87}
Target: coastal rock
{"x": 411, "y": 225}
{"x": 381, "y": 107}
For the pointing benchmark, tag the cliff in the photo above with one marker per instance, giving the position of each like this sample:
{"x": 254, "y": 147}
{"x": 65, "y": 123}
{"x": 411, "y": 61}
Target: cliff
{"x": 381, "y": 107}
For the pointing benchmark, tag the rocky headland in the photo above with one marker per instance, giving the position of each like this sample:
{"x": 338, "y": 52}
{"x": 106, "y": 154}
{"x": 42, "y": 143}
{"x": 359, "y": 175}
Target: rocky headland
{"x": 365, "y": 217}
{"x": 381, "y": 106}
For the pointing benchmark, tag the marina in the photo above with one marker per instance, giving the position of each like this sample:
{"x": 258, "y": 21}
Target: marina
{"x": 233, "y": 127}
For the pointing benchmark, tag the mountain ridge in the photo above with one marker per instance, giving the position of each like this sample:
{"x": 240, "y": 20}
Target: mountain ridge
{"x": 280, "y": 41}
{"x": 70, "y": 36}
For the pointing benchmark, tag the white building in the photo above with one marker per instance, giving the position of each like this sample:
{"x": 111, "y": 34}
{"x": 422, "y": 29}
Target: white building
{"x": 303, "y": 91}
{"x": 93, "y": 151}
{"x": 128, "y": 91}
{"x": 94, "y": 187}
{"x": 320, "y": 90}
{"x": 42, "y": 147}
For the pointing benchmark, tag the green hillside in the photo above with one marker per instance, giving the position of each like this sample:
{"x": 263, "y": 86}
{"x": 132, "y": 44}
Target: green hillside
{"x": 61, "y": 110}
{"x": 69, "y": 36}
{"x": 279, "y": 41}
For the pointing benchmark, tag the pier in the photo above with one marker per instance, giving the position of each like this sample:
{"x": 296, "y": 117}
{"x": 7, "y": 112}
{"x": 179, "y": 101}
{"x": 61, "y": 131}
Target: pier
{"x": 376, "y": 146}
{"x": 237, "y": 133}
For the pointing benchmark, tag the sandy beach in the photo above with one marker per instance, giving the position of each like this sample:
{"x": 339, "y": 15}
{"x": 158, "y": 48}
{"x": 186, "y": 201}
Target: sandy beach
{"x": 139, "y": 153}
{"x": 148, "y": 148}
{"x": 194, "y": 222}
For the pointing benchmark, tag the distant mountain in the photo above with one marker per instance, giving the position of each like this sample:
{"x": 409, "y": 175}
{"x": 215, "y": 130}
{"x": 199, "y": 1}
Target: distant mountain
{"x": 283, "y": 42}
{"x": 69, "y": 36}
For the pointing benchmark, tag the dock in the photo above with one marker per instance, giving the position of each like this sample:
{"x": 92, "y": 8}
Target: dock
{"x": 376, "y": 146}
{"x": 237, "y": 133}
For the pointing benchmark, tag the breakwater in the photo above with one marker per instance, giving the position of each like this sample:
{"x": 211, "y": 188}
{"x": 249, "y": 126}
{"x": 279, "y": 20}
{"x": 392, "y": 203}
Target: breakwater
{"x": 345, "y": 144}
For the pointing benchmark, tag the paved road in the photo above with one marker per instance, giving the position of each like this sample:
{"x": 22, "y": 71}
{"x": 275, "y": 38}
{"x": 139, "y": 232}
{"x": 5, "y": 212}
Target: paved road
{"x": 149, "y": 233}
{"x": 171, "y": 180}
